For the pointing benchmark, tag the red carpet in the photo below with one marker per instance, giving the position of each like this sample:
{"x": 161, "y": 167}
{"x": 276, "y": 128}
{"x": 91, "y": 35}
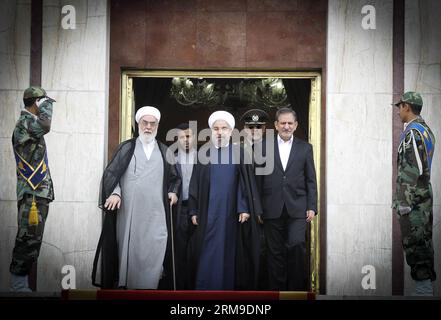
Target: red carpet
{"x": 185, "y": 295}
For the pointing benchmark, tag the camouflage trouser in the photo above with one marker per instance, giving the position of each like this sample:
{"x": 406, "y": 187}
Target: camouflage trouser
{"x": 416, "y": 235}
{"x": 28, "y": 239}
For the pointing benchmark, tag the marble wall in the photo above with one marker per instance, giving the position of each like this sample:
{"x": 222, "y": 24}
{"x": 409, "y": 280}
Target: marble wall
{"x": 74, "y": 71}
{"x": 359, "y": 144}
{"x": 423, "y": 74}
{"x": 74, "y": 68}
{"x": 15, "y": 35}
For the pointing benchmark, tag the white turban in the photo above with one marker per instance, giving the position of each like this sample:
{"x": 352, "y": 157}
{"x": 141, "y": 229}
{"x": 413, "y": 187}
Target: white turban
{"x": 221, "y": 115}
{"x": 147, "y": 111}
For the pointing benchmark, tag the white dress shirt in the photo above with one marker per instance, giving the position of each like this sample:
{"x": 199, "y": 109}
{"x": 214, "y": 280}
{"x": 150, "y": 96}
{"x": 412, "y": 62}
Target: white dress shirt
{"x": 186, "y": 160}
{"x": 284, "y": 150}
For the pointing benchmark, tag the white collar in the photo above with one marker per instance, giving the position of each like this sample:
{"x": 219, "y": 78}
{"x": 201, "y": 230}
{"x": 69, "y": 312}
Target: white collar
{"x": 281, "y": 141}
{"x": 217, "y": 147}
{"x": 184, "y": 155}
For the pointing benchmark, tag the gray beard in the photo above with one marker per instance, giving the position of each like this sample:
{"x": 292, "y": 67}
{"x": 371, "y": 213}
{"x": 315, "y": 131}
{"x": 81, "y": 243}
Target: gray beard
{"x": 223, "y": 143}
{"x": 147, "y": 138}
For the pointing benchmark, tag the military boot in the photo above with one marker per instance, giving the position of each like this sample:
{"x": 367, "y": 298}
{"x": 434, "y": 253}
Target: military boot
{"x": 19, "y": 283}
{"x": 423, "y": 288}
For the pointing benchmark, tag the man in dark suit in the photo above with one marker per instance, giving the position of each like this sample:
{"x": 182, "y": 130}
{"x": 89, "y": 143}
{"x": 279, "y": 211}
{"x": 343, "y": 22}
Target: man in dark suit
{"x": 185, "y": 160}
{"x": 289, "y": 197}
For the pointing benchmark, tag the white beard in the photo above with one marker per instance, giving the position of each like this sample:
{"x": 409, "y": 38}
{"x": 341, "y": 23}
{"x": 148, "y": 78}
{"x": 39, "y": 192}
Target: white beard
{"x": 146, "y": 137}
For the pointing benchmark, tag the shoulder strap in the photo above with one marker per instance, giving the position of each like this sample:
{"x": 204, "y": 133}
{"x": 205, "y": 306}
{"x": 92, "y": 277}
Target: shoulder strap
{"x": 425, "y": 136}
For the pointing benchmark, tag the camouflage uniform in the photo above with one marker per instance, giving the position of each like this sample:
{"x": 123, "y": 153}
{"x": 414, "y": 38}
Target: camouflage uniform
{"x": 28, "y": 142}
{"x": 414, "y": 200}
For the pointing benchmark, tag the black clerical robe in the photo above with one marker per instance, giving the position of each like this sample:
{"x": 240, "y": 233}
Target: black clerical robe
{"x": 246, "y": 235}
{"x": 105, "y": 266}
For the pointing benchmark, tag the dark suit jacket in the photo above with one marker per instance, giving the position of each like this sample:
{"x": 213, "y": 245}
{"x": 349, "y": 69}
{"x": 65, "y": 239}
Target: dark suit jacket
{"x": 295, "y": 187}
{"x": 179, "y": 204}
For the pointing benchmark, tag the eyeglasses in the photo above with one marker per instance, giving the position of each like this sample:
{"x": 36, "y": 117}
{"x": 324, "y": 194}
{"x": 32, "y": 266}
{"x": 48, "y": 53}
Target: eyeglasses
{"x": 152, "y": 124}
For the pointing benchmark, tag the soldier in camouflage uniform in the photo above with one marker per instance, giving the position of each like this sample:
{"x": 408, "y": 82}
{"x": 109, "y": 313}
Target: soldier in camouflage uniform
{"x": 34, "y": 183}
{"x": 413, "y": 198}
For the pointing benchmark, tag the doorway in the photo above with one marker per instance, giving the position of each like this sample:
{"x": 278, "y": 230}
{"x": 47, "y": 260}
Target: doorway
{"x": 182, "y": 96}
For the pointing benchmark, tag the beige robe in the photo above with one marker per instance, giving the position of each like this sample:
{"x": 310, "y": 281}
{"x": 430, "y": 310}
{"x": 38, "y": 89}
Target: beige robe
{"x": 141, "y": 224}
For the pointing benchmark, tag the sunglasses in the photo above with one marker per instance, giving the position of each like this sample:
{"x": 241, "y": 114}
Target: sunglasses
{"x": 254, "y": 126}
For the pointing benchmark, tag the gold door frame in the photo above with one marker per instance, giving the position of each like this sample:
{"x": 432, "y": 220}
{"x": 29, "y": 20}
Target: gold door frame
{"x": 127, "y": 116}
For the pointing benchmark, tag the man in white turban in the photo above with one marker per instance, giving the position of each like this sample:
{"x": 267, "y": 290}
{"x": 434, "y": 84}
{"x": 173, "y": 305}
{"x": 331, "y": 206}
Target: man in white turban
{"x": 137, "y": 188}
{"x": 223, "y": 204}
{"x": 221, "y": 124}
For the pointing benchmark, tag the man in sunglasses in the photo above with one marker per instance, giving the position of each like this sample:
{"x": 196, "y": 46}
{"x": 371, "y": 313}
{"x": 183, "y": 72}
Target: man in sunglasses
{"x": 254, "y": 121}
{"x": 254, "y": 125}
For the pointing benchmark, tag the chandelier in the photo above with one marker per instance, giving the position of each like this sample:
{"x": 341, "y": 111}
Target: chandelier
{"x": 271, "y": 92}
{"x": 202, "y": 93}
{"x": 261, "y": 93}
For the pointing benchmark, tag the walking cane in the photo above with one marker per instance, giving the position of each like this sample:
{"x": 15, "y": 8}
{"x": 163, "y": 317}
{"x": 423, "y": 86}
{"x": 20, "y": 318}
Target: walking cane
{"x": 173, "y": 246}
